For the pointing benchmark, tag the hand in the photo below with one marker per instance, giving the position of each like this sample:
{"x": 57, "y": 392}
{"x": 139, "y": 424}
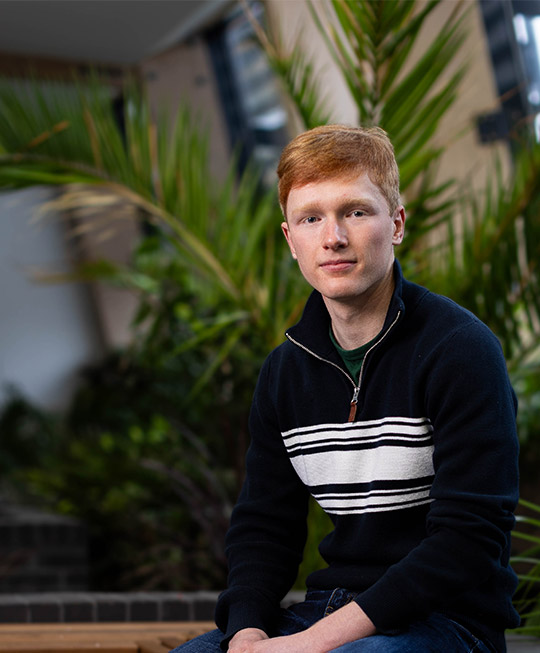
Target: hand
{"x": 253, "y": 642}
{"x": 344, "y": 625}
{"x": 244, "y": 640}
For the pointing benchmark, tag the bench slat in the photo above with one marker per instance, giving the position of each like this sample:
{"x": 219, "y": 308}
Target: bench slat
{"x": 151, "y": 646}
{"x": 67, "y": 647}
{"x": 125, "y": 637}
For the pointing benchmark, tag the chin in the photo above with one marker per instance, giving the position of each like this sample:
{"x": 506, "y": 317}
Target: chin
{"x": 343, "y": 296}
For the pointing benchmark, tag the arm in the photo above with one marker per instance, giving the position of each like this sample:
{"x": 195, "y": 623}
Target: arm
{"x": 267, "y": 535}
{"x": 472, "y": 408}
{"x": 345, "y": 625}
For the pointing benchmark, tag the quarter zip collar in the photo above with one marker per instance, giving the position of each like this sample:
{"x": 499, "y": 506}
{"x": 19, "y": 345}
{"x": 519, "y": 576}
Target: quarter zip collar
{"x": 311, "y": 333}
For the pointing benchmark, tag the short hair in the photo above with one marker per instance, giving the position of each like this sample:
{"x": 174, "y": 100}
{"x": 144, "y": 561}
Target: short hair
{"x": 332, "y": 151}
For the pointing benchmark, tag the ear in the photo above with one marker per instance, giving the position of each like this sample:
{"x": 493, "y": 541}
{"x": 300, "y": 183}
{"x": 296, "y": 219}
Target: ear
{"x": 287, "y": 234}
{"x": 399, "y": 225}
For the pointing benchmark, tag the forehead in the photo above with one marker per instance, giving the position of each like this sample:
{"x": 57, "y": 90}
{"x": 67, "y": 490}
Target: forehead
{"x": 335, "y": 190}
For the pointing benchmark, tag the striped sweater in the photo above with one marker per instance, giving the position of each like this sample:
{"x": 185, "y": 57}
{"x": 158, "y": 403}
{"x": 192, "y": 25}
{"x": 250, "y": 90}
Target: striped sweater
{"x": 384, "y": 464}
{"x": 420, "y": 486}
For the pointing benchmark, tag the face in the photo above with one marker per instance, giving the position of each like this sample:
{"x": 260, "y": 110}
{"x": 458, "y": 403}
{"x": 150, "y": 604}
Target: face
{"x": 342, "y": 235}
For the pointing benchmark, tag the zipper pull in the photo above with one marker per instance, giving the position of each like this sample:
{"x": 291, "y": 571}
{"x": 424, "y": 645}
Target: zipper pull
{"x": 354, "y": 403}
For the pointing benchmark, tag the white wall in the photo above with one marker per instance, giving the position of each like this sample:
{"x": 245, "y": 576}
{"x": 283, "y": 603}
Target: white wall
{"x": 465, "y": 158}
{"x": 47, "y": 332}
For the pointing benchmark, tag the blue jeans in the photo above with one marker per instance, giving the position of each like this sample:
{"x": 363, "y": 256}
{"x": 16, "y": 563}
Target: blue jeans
{"x": 437, "y": 634}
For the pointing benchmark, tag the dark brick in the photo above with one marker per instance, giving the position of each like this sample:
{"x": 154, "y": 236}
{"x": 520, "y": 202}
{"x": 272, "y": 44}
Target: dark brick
{"x": 111, "y": 607}
{"x": 71, "y": 536}
{"x": 76, "y": 581}
{"x": 79, "y": 537}
{"x": 13, "y": 609}
{"x": 6, "y": 537}
{"x": 79, "y": 608}
{"x": 204, "y": 608}
{"x": 13, "y": 562}
{"x": 175, "y": 609}
{"x": 58, "y": 558}
{"x": 44, "y": 610}
{"x": 48, "y": 534}
{"x": 36, "y": 581}
{"x": 26, "y": 535}
{"x": 24, "y": 582}
{"x": 65, "y": 534}
{"x": 143, "y": 609}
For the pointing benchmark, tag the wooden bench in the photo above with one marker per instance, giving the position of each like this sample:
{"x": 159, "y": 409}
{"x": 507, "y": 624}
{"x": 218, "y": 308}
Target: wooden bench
{"x": 125, "y": 637}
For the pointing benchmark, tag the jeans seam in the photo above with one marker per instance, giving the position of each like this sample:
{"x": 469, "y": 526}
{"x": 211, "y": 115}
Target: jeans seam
{"x": 349, "y": 598}
{"x": 330, "y": 608}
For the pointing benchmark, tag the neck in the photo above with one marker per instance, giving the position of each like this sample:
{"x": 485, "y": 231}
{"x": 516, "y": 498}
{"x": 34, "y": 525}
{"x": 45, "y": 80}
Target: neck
{"x": 356, "y": 323}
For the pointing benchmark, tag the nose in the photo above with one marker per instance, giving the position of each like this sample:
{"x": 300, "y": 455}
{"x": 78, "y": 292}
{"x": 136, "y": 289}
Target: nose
{"x": 335, "y": 234}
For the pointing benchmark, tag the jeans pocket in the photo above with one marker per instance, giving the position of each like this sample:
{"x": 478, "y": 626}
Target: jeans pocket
{"x": 338, "y": 599}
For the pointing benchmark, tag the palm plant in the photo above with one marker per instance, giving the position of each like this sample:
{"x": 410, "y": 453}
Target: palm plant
{"x": 215, "y": 283}
{"x": 488, "y": 260}
{"x": 494, "y": 243}
{"x": 214, "y": 276}
{"x": 371, "y": 43}
{"x": 527, "y": 563}
{"x": 225, "y": 238}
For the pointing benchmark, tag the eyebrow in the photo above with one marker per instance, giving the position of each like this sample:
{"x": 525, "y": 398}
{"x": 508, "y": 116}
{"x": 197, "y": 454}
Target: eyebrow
{"x": 345, "y": 206}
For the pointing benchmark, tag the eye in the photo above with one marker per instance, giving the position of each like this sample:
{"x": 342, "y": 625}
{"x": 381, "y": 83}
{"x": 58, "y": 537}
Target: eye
{"x": 357, "y": 213}
{"x": 311, "y": 219}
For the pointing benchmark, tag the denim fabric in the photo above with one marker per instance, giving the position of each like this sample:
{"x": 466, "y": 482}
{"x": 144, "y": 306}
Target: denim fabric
{"x": 437, "y": 634}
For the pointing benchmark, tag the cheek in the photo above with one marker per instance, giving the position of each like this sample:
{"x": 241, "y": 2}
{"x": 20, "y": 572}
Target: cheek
{"x": 304, "y": 267}
{"x": 301, "y": 248}
{"x": 377, "y": 241}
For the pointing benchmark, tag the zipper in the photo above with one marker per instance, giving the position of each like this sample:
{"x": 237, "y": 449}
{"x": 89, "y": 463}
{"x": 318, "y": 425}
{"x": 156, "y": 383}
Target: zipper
{"x": 356, "y": 391}
{"x": 354, "y": 403}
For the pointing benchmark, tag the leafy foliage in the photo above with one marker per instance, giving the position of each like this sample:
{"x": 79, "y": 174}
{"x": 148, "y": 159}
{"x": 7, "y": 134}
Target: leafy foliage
{"x": 527, "y": 564}
{"x": 371, "y": 43}
{"x": 225, "y": 239}
{"x": 488, "y": 262}
{"x": 155, "y": 499}
{"x": 217, "y": 288}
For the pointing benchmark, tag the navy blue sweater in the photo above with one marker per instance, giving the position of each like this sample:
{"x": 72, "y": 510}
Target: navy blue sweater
{"x": 420, "y": 487}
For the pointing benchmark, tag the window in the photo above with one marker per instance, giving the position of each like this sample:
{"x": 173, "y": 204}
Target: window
{"x": 250, "y": 96}
{"x": 513, "y": 33}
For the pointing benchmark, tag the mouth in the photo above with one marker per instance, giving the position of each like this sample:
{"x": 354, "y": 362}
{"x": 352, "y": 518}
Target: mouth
{"x": 337, "y": 265}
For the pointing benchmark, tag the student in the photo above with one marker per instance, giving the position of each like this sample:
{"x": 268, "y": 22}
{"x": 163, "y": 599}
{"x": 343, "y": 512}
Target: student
{"x": 392, "y": 407}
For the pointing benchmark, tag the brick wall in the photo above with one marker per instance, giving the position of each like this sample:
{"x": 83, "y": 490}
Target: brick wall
{"x": 54, "y": 607}
{"x": 41, "y": 552}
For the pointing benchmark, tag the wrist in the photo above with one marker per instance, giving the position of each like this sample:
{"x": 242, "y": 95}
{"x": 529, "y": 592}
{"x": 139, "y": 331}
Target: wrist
{"x": 251, "y": 634}
{"x": 347, "y": 624}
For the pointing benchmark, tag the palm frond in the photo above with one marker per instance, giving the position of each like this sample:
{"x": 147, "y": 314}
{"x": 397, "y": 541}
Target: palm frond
{"x": 296, "y": 72}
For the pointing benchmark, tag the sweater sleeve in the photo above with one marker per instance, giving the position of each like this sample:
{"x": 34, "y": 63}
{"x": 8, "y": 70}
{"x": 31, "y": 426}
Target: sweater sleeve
{"x": 472, "y": 407}
{"x": 265, "y": 541}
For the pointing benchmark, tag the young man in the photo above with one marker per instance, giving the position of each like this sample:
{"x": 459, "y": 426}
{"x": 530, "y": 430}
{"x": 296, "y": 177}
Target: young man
{"x": 392, "y": 407}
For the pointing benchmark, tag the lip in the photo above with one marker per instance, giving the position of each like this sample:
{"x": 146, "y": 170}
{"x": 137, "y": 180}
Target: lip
{"x": 337, "y": 265}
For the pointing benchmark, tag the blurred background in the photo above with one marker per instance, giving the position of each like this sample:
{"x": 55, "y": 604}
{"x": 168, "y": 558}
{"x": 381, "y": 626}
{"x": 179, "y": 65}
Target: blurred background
{"x": 143, "y": 273}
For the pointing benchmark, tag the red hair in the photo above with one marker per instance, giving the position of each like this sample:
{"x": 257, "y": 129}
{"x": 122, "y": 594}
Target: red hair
{"x": 339, "y": 151}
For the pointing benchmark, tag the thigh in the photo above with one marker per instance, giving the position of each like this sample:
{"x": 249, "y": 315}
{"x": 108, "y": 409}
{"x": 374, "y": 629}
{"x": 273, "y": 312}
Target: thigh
{"x": 434, "y": 635}
{"x": 207, "y": 643}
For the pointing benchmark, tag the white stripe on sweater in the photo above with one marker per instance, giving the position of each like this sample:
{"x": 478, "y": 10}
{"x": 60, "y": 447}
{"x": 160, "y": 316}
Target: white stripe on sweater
{"x": 393, "y": 452}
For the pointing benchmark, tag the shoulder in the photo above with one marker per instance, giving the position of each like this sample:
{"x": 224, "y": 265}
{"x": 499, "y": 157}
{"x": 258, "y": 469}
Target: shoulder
{"x": 450, "y": 340}
{"x": 442, "y": 320}
{"x": 281, "y": 361}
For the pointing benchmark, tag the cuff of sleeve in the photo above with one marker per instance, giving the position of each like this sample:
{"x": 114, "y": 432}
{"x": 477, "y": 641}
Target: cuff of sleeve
{"x": 238, "y": 610}
{"x": 389, "y": 617}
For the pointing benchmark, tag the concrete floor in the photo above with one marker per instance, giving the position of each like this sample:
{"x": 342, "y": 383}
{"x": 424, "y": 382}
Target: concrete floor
{"x": 522, "y": 644}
